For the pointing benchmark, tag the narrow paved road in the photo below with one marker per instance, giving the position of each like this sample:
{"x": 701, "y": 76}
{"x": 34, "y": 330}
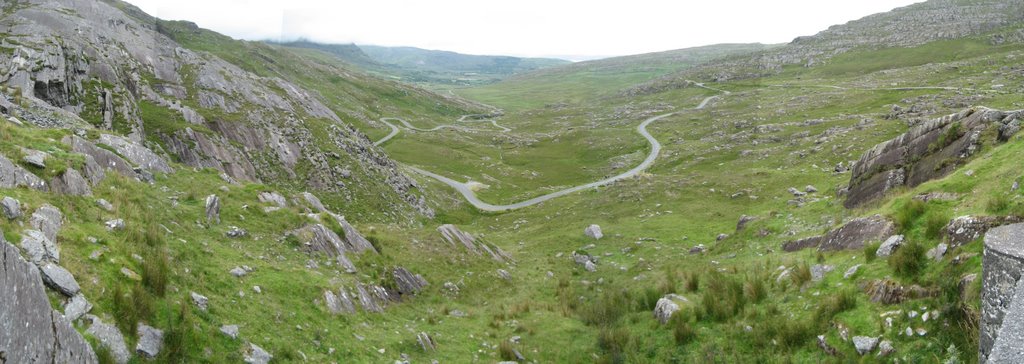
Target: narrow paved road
{"x": 471, "y": 197}
{"x": 395, "y": 130}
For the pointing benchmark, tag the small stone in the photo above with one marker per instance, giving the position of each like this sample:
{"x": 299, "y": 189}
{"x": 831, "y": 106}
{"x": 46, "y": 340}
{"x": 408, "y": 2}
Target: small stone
{"x": 937, "y": 252}
{"x": 885, "y": 348}
{"x": 11, "y": 208}
{"x": 921, "y": 332}
{"x": 722, "y": 237}
{"x": 457, "y": 313}
{"x": 104, "y": 204}
{"x": 590, "y": 266}
{"x": 426, "y": 342}
{"x": 151, "y": 340}
{"x": 594, "y": 232}
{"x": 236, "y": 232}
{"x": 700, "y": 248}
{"x": 818, "y": 271}
{"x": 504, "y": 274}
{"x": 796, "y": 193}
{"x": 889, "y": 246}
{"x": 230, "y": 330}
{"x": 864, "y": 344}
{"x": 257, "y": 289}
{"x": 130, "y": 274}
{"x": 238, "y": 272}
{"x": 850, "y": 272}
{"x": 256, "y": 355}
{"x": 1015, "y": 187}
{"x": 810, "y": 189}
{"x": 114, "y": 225}
{"x": 200, "y": 301}
{"x": 909, "y": 332}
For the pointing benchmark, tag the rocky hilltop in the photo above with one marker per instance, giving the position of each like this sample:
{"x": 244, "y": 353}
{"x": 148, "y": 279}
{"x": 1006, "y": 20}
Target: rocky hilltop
{"x": 909, "y": 26}
{"x": 107, "y": 65}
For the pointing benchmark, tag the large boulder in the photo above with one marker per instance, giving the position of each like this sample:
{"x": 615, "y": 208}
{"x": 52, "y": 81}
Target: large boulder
{"x": 12, "y": 176}
{"x": 864, "y": 344}
{"x": 256, "y": 355}
{"x": 30, "y": 330}
{"x": 339, "y": 303}
{"x": 136, "y": 153}
{"x": 38, "y": 248}
{"x": 11, "y": 208}
{"x": 104, "y": 159}
{"x": 965, "y": 229}
{"x": 856, "y": 233}
{"x": 47, "y": 219}
{"x": 319, "y": 239}
{"x": 927, "y": 151}
{"x": 59, "y": 279}
{"x": 354, "y": 241}
{"x": 151, "y": 340}
{"x": 664, "y": 310}
{"x": 593, "y": 232}
{"x": 71, "y": 183}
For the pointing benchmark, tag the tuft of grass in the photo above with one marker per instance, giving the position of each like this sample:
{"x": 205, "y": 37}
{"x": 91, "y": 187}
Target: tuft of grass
{"x": 682, "y": 330}
{"x": 723, "y": 297}
{"x": 506, "y": 351}
{"x": 692, "y": 282}
{"x": 615, "y": 342}
{"x": 132, "y": 307}
{"x": 908, "y": 213}
{"x": 179, "y": 336}
{"x": 607, "y": 309}
{"x": 801, "y": 274}
{"x": 935, "y": 223}
{"x": 908, "y": 260}
{"x": 833, "y": 305}
{"x": 871, "y": 251}
{"x": 754, "y": 289}
{"x": 647, "y": 299}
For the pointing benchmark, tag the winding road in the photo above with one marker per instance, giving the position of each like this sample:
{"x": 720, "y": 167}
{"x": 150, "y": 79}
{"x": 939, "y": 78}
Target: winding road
{"x": 471, "y": 197}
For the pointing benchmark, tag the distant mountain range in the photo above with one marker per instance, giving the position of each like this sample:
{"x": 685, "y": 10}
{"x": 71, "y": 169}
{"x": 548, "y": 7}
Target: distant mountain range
{"x": 425, "y": 66}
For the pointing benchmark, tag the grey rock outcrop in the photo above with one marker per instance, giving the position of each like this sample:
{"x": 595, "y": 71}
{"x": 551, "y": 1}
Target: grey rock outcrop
{"x": 856, "y": 233}
{"x": 455, "y": 237}
{"x": 31, "y": 331}
{"x": 744, "y": 220}
{"x": 593, "y": 232}
{"x": 354, "y": 241}
{"x": 11, "y": 208}
{"x": 917, "y": 156}
{"x": 151, "y": 340}
{"x": 852, "y": 271}
{"x": 71, "y": 183}
{"x": 38, "y": 248}
{"x": 59, "y": 279}
{"x": 373, "y": 298}
{"x": 273, "y": 198}
{"x": 34, "y": 157}
{"x": 104, "y": 159}
{"x": 408, "y": 283}
{"x": 47, "y": 219}
{"x": 937, "y": 252}
{"x": 137, "y": 154}
{"x": 212, "y": 209}
{"x": 77, "y": 307}
{"x": 314, "y": 202}
{"x": 965, "y": 229}
{"x": 796, "y": 245}
{"x": 13, "y": 176}
{"x": 318, "y": 238}
{"x": 114, "y": 225}
{"x": 340, "y": 303}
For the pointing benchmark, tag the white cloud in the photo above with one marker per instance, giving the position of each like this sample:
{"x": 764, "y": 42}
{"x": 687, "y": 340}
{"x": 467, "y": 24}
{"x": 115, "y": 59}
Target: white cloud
{"x": 522, "y": 27}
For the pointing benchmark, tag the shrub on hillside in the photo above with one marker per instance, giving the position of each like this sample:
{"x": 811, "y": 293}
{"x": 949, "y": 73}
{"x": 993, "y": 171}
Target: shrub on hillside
{"x": 908, "y": 213}
{"x": 935, "y": 224}
{"x": 723, "y": 297}
{"x": 909, "y": 259}
{"x": 606, "y": 309}
{"x": 833, "y": 305}
{"x": 682, "y": 330}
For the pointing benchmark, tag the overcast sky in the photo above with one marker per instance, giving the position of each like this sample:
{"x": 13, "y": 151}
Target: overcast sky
{"x": 564, "y": 28}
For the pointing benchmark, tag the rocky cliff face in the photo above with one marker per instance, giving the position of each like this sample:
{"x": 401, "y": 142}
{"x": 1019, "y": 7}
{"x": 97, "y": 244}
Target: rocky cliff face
{"x": 108, "y": 64}
{"x": 927, "y": 151}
